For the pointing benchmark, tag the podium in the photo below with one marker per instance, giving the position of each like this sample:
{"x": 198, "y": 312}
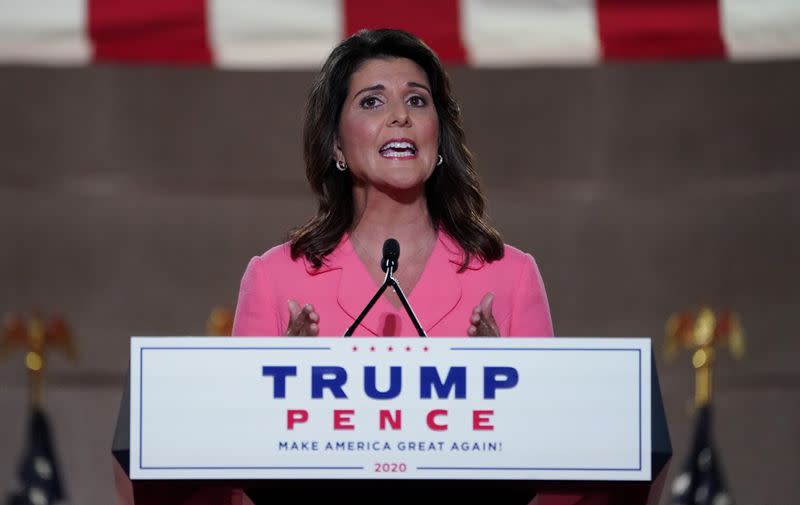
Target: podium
{"x": 500, "y": 478}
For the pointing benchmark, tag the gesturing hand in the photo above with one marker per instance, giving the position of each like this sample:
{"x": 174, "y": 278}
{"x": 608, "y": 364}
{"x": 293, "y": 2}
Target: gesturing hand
{"x": 482, "y": 323}
{"x": 303, "y": 321}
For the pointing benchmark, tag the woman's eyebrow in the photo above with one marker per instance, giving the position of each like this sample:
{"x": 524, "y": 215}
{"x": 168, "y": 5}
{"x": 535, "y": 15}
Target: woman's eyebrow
{"x": 375, "y": 87}
{"x": 381, "y": 87}
{"x": 418, "y": 85}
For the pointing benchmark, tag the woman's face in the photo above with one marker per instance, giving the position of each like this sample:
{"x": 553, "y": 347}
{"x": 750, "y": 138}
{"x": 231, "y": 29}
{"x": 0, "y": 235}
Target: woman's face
{"x": 389, "y": 130}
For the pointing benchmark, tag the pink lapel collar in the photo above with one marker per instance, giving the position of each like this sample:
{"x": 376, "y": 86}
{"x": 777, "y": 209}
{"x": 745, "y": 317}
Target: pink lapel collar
{"x": 356, "y": 287}
{"x": 438, "y": 290}
{"x": 436, "y": 294}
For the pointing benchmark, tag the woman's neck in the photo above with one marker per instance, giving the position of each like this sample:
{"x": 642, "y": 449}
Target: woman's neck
{"x": 401, "y": 215}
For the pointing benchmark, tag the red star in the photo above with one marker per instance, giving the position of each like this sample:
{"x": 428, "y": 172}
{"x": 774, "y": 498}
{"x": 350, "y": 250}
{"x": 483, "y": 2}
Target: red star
{"x": 372, "y": 348}
{"x": 425, "y": 348}
{"x": 391, "y": 349}
{"x": 355, "y": 348}
{"x": 408, "y": 348}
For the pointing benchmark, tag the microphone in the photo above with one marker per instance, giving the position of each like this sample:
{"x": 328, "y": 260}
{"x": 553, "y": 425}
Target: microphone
{"x": 389, "y": 263}
{"x": 391, "y": 255}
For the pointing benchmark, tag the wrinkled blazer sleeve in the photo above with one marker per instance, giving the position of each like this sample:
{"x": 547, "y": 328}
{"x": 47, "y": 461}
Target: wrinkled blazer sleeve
{"x": 530, "y": 315}
{"x": 256, "y": 310}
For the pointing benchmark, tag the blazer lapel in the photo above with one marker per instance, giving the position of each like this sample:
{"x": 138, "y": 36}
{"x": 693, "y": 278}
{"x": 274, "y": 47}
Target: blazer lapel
{"x": 356, "y": 287}
{"x": 438, "y": 290}
{"x": 435, "y": 295}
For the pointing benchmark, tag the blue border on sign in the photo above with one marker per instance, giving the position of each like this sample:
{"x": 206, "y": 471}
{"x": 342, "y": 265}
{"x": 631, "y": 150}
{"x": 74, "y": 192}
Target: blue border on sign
{"x": 264, "y": 348}
{"x": 637, "y": 469}
{"x": 490, "y": 468}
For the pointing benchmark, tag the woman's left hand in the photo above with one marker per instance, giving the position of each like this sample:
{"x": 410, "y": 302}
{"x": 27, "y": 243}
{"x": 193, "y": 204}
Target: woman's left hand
{"x": 482, "y": 323}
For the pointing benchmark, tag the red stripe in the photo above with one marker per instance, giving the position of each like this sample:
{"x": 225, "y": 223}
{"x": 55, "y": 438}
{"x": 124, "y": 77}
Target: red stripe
{"x": 643, "y": 29}
{"x": 159, "y": 31}
{"x": 436, "y": 22}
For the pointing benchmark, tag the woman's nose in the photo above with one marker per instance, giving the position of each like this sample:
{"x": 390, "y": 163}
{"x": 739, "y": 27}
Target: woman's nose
{"x": 398, "y": 116}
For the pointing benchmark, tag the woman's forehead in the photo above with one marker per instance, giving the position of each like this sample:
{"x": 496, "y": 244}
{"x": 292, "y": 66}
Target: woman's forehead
{"x": 386, "y": 71}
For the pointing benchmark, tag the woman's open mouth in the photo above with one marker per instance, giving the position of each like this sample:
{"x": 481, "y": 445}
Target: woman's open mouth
{"x": 398, "y": 149}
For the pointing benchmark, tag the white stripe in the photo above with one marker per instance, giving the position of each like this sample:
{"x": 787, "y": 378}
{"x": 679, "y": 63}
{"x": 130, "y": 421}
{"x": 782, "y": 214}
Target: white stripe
{"x": 273, "y": 33}
{"x": 44, "y": 32}
{"x": 761, "y": 29}
{"x": 525, "y": 32}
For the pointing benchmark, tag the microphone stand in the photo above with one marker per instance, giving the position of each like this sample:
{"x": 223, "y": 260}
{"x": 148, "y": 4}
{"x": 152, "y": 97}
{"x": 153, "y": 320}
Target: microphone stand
{"x": 389, "y": 280}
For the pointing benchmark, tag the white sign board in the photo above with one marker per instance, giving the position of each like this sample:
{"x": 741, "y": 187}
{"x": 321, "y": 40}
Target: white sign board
{"x": 386, "y": 408}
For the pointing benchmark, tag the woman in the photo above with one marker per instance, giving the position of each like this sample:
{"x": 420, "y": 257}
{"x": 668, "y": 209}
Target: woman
{"x": 385, "y": 156}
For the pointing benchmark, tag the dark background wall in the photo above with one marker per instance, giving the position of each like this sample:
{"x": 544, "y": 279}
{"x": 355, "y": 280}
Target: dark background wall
{"x": 132, "y": 198}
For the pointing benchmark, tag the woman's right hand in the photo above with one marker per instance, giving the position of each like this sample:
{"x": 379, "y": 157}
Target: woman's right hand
{"x": 303, "y": 321}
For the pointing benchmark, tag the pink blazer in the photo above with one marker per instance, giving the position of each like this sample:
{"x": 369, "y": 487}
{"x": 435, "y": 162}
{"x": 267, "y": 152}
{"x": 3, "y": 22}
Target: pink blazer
{"x": 442, "y": 299}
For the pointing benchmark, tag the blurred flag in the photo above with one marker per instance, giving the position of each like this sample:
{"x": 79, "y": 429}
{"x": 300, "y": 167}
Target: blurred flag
{"x": 276, "y": 34}
{"x": 39, "y": 479}
{"x": 701, "y": 481}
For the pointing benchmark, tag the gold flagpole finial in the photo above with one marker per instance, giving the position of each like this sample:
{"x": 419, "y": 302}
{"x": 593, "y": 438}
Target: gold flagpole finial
{"x": 220, "y": 322}
{"x": 35, "y": 335}
{"x": 700, "y": 332}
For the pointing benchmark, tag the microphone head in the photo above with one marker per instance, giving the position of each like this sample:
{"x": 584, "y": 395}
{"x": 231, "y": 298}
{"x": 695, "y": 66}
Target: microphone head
{"x": 391, "y": 255}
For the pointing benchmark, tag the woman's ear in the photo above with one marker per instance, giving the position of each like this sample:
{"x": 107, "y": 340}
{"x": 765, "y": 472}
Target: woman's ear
{"x": 338, "y": 155}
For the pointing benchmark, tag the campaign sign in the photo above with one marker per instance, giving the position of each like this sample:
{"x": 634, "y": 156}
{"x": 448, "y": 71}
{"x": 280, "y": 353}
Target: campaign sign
{"x": 390, "y": 408}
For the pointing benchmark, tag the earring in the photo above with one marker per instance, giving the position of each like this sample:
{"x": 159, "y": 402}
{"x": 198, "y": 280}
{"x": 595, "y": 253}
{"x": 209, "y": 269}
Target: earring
{"x": 439, "y": 160}
{"x": 341, "y": 165}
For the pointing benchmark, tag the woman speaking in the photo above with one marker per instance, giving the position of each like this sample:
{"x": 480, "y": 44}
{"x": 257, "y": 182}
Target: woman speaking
{"x": 386, "y": 158}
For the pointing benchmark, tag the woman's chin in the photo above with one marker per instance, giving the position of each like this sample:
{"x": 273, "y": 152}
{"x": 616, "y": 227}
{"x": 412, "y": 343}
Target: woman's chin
{"x": 401, "y": 184}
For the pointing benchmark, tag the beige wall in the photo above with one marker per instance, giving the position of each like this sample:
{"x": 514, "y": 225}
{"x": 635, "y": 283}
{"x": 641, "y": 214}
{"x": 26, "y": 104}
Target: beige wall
{"x": 132, "y": 198}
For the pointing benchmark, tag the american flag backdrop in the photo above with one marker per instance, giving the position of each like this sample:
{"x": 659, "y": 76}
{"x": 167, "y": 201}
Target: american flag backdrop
{"x": 288, "y": 34}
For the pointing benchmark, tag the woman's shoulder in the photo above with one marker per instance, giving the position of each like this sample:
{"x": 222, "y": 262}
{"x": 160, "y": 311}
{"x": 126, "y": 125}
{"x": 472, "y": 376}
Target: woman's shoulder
{"x": 267, "y": 274}
{"x": 515, "y": 255}
{"x": 278, "y": 255}
{"x": 276, "y": 260}
{"x": 514, "y": 259}
{"x": 515, "y": 269}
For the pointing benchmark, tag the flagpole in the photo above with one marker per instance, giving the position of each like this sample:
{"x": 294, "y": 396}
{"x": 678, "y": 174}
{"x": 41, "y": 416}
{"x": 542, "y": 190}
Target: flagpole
{"x": 701, "y": 481}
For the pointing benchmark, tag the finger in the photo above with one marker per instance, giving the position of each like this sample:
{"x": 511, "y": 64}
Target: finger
{"x": 486, "y": 328}
{"x": 301, "y": 326}
{"x": 308, "y": 320}
{"x": 294, "y": 308}
{"x": 472, "y": 331}
{"x": 296, "y": 328}
{"x": 298, "y": 319}
{"x": 486, "y": 304}
{"x": 475, "y": 318}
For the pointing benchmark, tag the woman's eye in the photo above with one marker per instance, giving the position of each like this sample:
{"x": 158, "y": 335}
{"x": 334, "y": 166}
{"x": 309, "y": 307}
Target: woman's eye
{"x": 370, "y": 102}
{"x": 417, "y": 101}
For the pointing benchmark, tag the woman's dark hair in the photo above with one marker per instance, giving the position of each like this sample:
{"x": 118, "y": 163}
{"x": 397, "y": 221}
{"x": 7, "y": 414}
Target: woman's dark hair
{"x": 455, "y": 201}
